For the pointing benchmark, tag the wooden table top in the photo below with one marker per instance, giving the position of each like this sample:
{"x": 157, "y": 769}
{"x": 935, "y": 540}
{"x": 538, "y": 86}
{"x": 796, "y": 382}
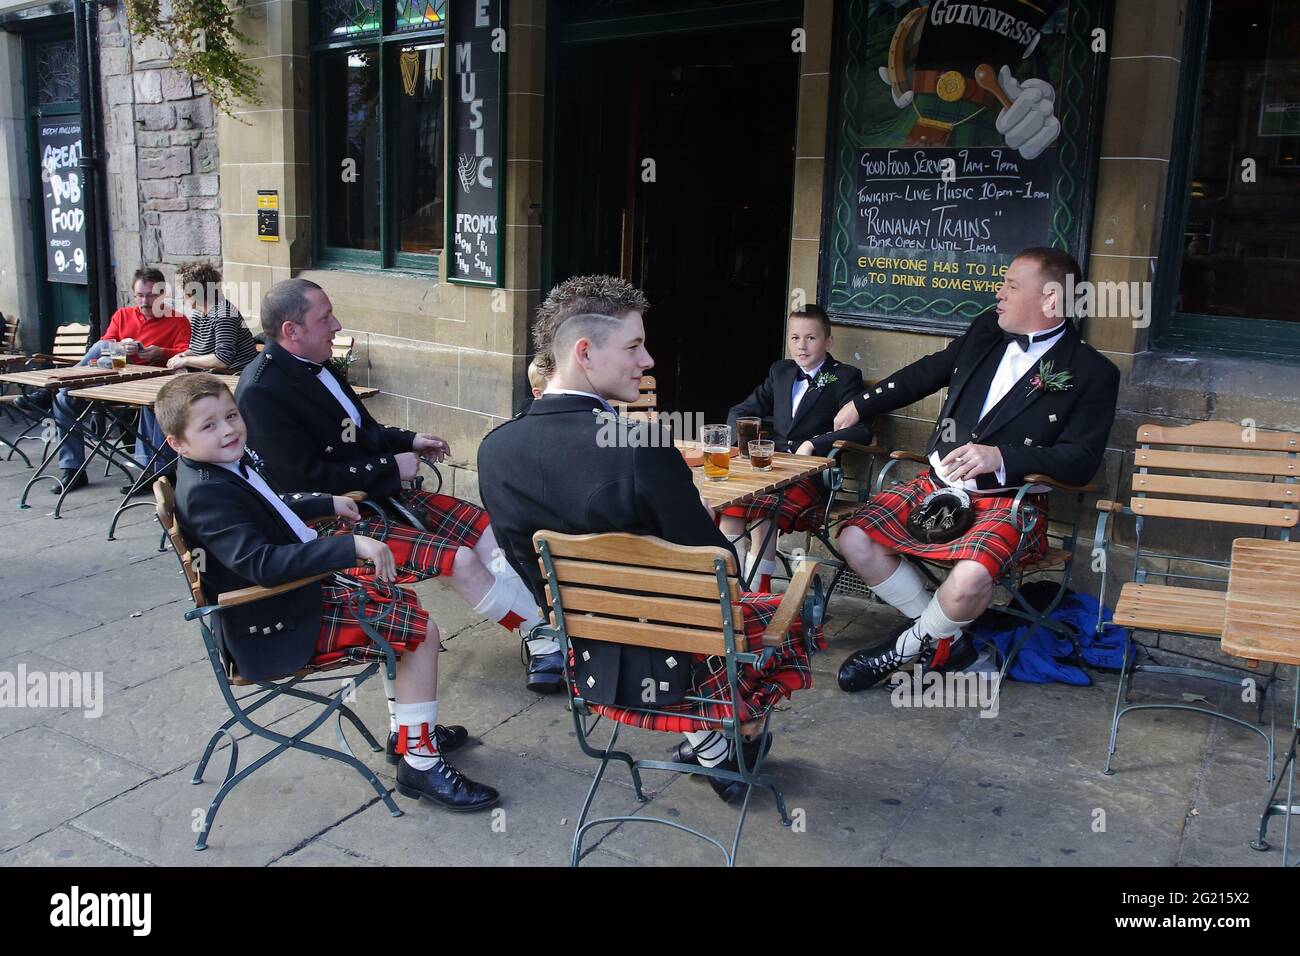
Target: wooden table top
{"x": 55, "y": 378}
{"x": 744, "y": 484}
{"x": 7, "y": 357}
{"x": 1262, "y": 622}
{"x": 139, "y": 391}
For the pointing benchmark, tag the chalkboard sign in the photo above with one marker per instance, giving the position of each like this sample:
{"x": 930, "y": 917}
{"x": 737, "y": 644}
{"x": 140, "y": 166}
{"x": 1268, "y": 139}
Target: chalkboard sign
{"x": 475, "y": 151}
{"x": 59, "y": 142}
{"x": 962, "y": 132}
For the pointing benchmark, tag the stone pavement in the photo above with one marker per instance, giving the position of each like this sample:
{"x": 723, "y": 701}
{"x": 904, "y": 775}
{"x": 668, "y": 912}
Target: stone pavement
{"x": 872, "y": 784}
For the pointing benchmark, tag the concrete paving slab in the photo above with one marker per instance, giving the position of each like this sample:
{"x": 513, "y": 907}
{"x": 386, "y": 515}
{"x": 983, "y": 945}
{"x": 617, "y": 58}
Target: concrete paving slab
{"x": 122, "y": 589}
{"x": 21, "y": 669}
{"x": 65, "y": 846}
{"x": 46, "y": 778}
{"x": 160, "y": 640}
{"x": 31, "y": 625}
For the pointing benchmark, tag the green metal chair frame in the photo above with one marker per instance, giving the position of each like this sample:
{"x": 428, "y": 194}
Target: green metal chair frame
{"x": 1217, "y": 435}
{"x": 242, "y": 707}
{"x": 720, "y": 565}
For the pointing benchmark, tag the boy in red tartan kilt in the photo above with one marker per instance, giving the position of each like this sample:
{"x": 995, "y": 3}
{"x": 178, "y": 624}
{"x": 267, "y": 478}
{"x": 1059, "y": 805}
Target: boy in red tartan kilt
{"x": 243, "y": 534}
{"x": 1025, "y": 396}
{"x": 800, "y": 395}
{"x": 550, "y": 469}
{"x": 311, "y": 431}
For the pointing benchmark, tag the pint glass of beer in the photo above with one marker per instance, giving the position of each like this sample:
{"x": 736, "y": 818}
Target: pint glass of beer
{"x": 716, "y": 446}
{"x": 747, "y": 430}
{"x": 117, "y": 351}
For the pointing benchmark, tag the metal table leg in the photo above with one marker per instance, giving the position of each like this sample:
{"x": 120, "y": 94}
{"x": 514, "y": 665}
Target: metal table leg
{"x": 1289, "y": 808}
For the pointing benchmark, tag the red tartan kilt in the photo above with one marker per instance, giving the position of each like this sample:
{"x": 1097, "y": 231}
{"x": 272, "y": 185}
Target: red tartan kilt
{"x": 341, "y": 635}
{"x": 800, "y": 508}
{"x": 991, "y": 540}
{"x": 452, "y": 524}
{"x": 788, "y": 671}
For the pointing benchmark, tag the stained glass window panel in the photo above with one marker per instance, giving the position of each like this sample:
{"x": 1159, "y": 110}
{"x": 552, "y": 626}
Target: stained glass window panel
{"x": 347, "y": 19}
{"x": 414, "y": 15}
{"x": 56, "y": 73}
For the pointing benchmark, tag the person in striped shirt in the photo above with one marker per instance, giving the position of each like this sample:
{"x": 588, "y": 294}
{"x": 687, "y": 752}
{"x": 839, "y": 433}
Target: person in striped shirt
{"x": 219, "y": 342}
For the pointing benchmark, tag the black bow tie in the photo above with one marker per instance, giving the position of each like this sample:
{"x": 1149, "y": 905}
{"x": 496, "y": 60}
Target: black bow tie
{"x": 804, "y": 377}
{"x": 1025, "y": 340}
{"x": 243, "y": 469}
{"x": 313, "y": 367}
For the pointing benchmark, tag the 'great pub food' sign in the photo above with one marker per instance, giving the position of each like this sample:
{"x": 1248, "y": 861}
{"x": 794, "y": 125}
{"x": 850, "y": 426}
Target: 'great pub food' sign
{"x": 475, "y": 153}
{"x": 63, "y": 207}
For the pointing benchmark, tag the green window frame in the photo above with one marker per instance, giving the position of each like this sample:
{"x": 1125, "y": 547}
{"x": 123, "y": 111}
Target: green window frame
{"x": 1194, "y": 331}
{"x": 379, "y": 29}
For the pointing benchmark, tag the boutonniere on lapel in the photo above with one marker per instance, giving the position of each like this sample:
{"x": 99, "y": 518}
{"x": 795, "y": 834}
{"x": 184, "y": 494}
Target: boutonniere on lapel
{"x": 1048, "y": 380}
{"x": 254, "y": 458}
{"x": 823, "y": 379}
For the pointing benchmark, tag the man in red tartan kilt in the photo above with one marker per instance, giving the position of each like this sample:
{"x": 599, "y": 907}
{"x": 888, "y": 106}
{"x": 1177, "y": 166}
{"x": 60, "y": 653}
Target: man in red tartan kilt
{"x": 310, "y": 430}
{"x": 550, "y": 469}
{"x": 1025, "y": 396}
{"x": 242, "y": 534}
{"x": 800, "y": 395}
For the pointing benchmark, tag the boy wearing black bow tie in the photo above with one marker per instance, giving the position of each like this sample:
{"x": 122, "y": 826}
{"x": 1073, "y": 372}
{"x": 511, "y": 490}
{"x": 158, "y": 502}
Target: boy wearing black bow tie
{"x": 250, "y": 535}
{"x": 801, "y": 396}
{"x": 1025, "y": 396}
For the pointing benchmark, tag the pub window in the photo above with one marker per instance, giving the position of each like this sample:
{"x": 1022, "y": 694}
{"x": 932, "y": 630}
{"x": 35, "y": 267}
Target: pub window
{"x": 378, "y": 120}
{"x": 1233, "y": 236}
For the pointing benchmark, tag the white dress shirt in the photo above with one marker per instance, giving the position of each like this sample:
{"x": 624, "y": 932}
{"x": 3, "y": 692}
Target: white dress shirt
{"x": 1013, "y": 366}
{"x": 295, "y": 523}
{"x": 553, "y": 390}
{"x": 801, "y": 388}
{"x": 335, "y": 389}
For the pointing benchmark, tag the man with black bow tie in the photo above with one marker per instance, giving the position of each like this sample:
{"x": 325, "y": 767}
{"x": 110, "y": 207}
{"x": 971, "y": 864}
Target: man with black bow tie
{"x": 1025, "y": 396}
{"x": 312, "y": 431}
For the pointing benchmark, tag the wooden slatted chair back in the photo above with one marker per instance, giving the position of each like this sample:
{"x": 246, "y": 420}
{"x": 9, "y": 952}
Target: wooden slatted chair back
{"x": 165, "y": 507}
{"x": 71, "y": 341}
{"x": 641, "y": 590}
{"x": 1217, "y": 471}
{"x": 9, "y": 341}
{"x": 343, "y": 345}
{"x": 645, "y": 405}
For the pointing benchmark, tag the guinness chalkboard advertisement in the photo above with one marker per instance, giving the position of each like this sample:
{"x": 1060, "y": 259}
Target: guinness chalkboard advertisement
{"x": 962, "y": 132}
{"x": 475, "y": 152}
{"x": 63, "y": 209}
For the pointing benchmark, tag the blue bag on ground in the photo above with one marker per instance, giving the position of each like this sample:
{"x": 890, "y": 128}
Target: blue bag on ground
{"x": 1045, "y": 657}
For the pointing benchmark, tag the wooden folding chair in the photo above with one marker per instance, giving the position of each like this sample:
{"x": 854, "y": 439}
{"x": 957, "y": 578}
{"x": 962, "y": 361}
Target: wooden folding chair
{"x": 1170, "y": 487}
{"x": 243, "y": 707}
{"x": 1057, "y": 557}
{"x": 647, "y": 403}
{"x": 644, "y": 591}
{"x": 71, "y": 342}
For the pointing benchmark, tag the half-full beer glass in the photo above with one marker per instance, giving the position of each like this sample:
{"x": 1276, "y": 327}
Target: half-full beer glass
{"x": 716, "y": 446}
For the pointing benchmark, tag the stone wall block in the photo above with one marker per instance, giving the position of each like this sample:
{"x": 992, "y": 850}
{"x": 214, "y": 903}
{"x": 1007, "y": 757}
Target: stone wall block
{"x": 190, "y": 233}
{"x": 158, "y": 188}
{"x": 157, "y": 117}
{"x": 201, "y": 185}
{"x": 163, "y": 163}
{"x": 195, "y": 113}
{"x": 119, "y": 90}
{"x": 176, "y": 85}
{"x": 148, "y": 86}
{"x": 205, "y": 157}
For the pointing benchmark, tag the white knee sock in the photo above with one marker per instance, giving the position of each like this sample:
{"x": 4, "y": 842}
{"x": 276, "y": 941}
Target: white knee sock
{"x": 927, "y": 630}
{"x": 711, "y": 748}
{"x": 415, "y": 724}
{"x": 741, "y": 545}
{"x": 522, "y": 602}
{"x": 904, "y": 589}
{"x": 390, "y": 691}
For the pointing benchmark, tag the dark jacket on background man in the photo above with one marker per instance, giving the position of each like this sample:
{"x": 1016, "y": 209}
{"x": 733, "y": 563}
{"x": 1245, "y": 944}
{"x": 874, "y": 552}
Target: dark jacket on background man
{"x": 297, "y": 427}
{"x": 815, "y": 419}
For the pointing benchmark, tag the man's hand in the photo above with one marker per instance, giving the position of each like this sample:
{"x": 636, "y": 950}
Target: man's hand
{"x": 346, "y": 509}
{"x": 408, "y": 465}
{"x": 151, "y": 354}
{"x": 430, "y": 447}
{"x": 805, "y": 449}
{"x": 847, "y": 417}
{"x": 970, "y": 461}
{"x": 178, "y": 360}
{"x": 378, "y": 554}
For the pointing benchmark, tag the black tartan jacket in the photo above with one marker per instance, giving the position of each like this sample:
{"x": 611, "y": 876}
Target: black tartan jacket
{"x": 1061, "y": 434}
{"x": 246, "y": 542}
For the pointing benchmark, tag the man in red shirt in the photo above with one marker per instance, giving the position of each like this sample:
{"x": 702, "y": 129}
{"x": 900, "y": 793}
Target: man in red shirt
{"x": 152, "y": 333}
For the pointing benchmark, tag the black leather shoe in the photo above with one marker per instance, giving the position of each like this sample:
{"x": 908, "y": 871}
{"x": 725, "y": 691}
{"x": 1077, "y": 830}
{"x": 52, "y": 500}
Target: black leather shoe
{"x": 546, "y": 672}
{"x": 446, "y": 786}
{"x": 728, "y": 791}
{"x": 684, "y": 753}
{"x": 36, "y": 406}
{"x": 81, "y": 482}
{"x": 868, "y": 667}
{"x": 446, "y": 739}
